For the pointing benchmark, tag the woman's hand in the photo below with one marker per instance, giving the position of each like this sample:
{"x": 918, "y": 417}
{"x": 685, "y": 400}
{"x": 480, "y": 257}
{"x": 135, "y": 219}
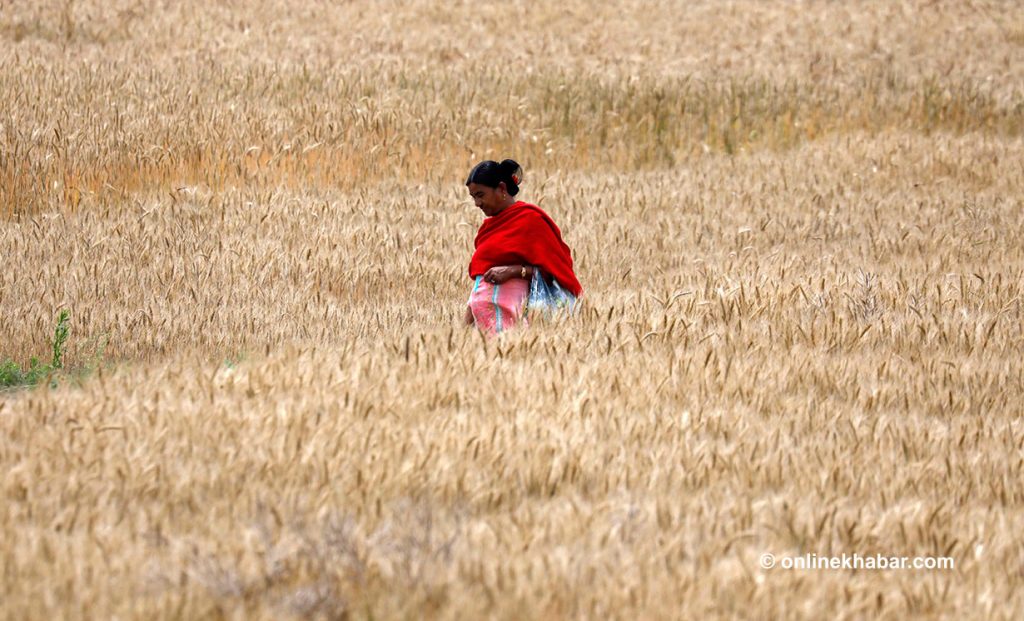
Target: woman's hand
{"x": 501, "y": 273}
{"x": 468, "y": 319}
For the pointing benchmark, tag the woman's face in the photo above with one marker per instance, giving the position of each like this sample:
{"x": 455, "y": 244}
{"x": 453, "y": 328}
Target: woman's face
{"x": 487, "y": 199}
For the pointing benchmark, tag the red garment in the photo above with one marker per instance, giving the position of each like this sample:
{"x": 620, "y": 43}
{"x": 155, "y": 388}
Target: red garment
{"x": 522, "y": 234}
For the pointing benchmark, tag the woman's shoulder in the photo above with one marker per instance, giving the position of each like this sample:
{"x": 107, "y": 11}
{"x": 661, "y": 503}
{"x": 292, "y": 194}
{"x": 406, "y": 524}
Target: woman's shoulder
{"x": 536, "y": 220}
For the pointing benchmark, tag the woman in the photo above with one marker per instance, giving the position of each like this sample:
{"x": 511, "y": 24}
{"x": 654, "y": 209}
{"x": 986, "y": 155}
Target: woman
{"x": 520, "y": 262}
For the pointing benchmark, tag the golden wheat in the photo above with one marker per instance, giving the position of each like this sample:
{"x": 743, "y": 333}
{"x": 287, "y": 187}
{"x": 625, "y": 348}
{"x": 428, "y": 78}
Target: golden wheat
{"x": 798, "y": 225}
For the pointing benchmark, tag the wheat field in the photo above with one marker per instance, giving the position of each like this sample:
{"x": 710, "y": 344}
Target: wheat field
{"x": 798, "y": 226}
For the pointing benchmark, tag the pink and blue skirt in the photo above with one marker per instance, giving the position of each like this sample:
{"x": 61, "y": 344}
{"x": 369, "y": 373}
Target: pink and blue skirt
{"x": 497, "y": 308}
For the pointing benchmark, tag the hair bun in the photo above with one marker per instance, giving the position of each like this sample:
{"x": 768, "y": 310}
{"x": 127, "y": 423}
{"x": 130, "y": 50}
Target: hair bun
{"x": 513, "y": 170}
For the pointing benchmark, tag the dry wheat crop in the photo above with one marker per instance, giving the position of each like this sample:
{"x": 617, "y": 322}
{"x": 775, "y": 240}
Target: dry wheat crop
{"x": 798, "y": 225}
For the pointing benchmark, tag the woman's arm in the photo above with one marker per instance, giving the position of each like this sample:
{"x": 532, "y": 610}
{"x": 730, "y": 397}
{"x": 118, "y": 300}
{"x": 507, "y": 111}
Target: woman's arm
{"x": 501, "y": 273}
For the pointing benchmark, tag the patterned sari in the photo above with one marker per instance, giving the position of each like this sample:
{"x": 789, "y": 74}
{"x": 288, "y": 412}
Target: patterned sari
{"x": 500, "y": 307}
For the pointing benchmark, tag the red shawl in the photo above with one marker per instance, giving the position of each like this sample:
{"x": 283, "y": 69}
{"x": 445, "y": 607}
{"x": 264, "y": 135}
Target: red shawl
{"x": 522, "y": 234}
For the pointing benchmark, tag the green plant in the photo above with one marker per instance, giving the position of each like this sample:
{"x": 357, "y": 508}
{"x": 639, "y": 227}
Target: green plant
{"x": 12, "y": 375}
{"x": 60, "y": 337}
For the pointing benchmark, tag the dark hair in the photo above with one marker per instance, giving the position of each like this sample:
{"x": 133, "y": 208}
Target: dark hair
{"x": 491, "y": 173}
